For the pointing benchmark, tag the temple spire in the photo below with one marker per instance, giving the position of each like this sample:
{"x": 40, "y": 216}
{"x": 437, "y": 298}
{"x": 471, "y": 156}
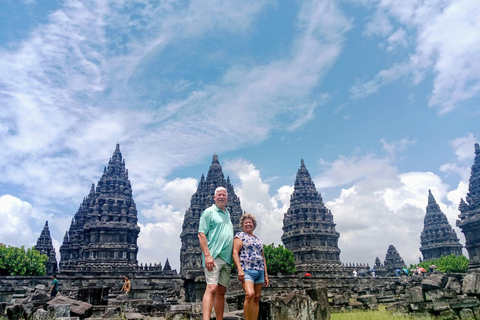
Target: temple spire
{"x": 438, "y": 237}
{"x": 308, "y": 227}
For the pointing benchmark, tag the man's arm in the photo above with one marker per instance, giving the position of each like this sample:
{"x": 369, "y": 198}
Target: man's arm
{"x": 209, "y": 263}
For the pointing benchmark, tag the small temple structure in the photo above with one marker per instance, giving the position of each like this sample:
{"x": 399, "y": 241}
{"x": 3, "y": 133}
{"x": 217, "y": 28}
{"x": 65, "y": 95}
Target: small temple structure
{"x": 190, "y": 253}
{"x": 45, "y": 246}
{"x": 438, "y": 237}
{"x": 103, "y": 234}
{"x": 469, "y": 221}
{"x": 308, "y": 227}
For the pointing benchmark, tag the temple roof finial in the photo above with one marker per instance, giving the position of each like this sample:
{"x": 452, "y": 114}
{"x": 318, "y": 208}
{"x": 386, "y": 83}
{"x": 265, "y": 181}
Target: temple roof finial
{"x": 302, "y": 164}
{"x": 215, "y": 158}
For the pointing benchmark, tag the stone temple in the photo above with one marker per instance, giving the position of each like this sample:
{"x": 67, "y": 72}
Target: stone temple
{"x": 438, "y": 237}
{"x": 393, "y": 260}
{"x": 104, "y": 231}
{"x": 190, "y": 253}
{"x": 308, "y": 227}
{"x": 44, "y": 246}
{"x": 469, "y": 221}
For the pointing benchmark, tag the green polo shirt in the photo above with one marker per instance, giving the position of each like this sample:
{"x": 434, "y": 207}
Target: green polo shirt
{"x": 218, "y": 229}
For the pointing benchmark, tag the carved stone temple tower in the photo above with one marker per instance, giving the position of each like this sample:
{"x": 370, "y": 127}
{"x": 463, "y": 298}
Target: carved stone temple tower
{"x": 470, "y": 215}
{"x": 44, "y": 246}
{"x": 104, "y": 231}
{"x": 393, "y": 260}
{"x": 438, "y": 237}
{"x": 308, "y": 227}
{"x": 190, "y": 253}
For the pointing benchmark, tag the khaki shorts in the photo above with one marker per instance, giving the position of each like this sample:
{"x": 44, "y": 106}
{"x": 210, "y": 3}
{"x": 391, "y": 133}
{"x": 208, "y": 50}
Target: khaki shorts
{"x": 220, "y": 273}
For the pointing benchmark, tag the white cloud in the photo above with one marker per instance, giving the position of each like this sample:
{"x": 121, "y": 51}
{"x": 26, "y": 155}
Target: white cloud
{"x": 397, "y": 39}
{"x": 463, "y": 147}
{"x": 15, "y": 215}
{"x": 452, "y": 54}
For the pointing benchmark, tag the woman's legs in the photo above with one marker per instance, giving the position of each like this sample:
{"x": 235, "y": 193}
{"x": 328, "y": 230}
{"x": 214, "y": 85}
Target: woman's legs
{"x": 248, "y": 305}
{"x": 256, "y": 300}
{"x": 251, "y": 305}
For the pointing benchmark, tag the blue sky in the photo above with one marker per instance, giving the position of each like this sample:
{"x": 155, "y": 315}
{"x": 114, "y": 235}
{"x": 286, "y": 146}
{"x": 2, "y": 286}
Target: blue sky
{"x": 380, "y": 98}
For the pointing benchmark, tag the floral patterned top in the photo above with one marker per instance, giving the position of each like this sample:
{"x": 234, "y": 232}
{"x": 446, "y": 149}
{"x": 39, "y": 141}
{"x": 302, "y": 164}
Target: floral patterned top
{"x": 251, "y": 257}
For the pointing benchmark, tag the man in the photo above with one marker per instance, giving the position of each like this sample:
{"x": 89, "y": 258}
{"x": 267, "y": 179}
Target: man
{"x": 215, "y": 233}
{"x": 126, "y": 286}
{"x": 54, "y": 288}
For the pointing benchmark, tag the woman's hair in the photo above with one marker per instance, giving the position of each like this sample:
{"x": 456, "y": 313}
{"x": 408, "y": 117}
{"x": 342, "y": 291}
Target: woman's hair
{"x": 248, "y": 215}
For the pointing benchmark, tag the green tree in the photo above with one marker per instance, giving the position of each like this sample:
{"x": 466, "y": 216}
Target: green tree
{"x": 279, "y": 260}
{"x": 449, "y": 263}
{"x": 20, "y": 262}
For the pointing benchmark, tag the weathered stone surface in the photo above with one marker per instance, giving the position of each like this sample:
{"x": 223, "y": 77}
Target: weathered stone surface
{"x": 454, "y": 284}
{"x": 440, "y": 305}
{"x": 434, "y": 281}
{"x": 133, "y": 316}
{"x": 341, "y": 299}
{"x": 308, "y": 227}
{"x": 59, "y": 310}
{"x": 467, "y": 302}
{"x": 104, "y": 231}
{"x": 415, "y": 295}
{"x": 40, "y": 314}
{"x": 470, "y": 283}
{"x": 181, "y": 307}
{"x": 77, "y": 308}
{"x": 470, "y": 215}
{"x": 440, "y": 294}
{"x": 111, "y": 313}
{"x": 301, "y": 307}
{"x": 466, "y": 314}
{"x": 438, "y": 237}
{"x": 422, "y": 306}
{"x": 45, "y": 246}
{"x": 448, "y": 315}
{"x": 367, "y": 299}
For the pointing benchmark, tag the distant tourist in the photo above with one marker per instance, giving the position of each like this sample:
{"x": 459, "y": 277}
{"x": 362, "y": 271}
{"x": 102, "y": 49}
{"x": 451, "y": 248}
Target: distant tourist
{"x": 373, "y": 273}
{"x": 251, "y": 265}
{"x": 54, "y": 288}
{"x": 127, "y": 286}
{"x": 355, "y": 273}
{"x": 215, "y": 233}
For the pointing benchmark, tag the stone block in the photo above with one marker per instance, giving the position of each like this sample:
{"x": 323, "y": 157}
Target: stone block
{"x": 440, "y": 305}
{"x": 133, "y": 316}
{"x": 476, "y": 312}
{"x": 111, "y": 313}
{"x": 434, "y": 281}
{"x": 415, "y": 295}
{"x": 40, "y": 287}
{"x": 181, "y": 307}
{"x": 454, "y": 284}
{"x": 59, "y": 310}
{"x": 340, "y": 300}
{"x": 435, "y": 294}
{"x": 367, "y": 299}
{"x": 466, "y": 314}
{"x": 448, "y": 315}
{"x": 469, "y": 285}
{"x": 40, "y": 314}
{"x": 422, "y": 306}
{"x": 467, "y": 302}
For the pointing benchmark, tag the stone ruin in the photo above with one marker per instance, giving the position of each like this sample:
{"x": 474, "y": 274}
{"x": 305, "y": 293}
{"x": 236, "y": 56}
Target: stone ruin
{"x": 308, "y": 227}
{"x": 161, "y": 292}
{"x": 44, "y": 246}
{"x": 469, "y": 221}
{"x": 438, "y": 237}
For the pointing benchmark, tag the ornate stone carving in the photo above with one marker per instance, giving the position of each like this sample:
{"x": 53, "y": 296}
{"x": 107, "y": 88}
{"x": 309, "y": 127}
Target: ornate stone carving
{"x": 190, "y": 253}
{"x": 44, "y": 246}
{"x": 104, "y": 231}
{"x": 393, "y": 260}
{"x": 469, "y": 216}
{"x": 308, "y": 227}
{"x": 438, "y": 237}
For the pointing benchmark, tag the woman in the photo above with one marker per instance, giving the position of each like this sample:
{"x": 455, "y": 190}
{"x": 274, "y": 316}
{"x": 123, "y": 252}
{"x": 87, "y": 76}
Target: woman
{"x": 251, "y": 265}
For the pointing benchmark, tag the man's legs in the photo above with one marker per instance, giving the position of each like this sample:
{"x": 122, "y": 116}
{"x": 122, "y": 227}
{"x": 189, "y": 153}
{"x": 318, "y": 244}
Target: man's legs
{"x": 208, "y": 299}
{"x": 220, "y": 302}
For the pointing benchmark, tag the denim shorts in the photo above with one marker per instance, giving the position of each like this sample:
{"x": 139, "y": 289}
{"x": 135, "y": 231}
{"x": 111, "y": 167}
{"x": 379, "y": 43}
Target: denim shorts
{"x": 255, "y": 276}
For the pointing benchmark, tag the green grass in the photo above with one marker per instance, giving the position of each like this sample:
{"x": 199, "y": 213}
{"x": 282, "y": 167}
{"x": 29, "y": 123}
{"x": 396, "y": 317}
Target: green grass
{"x": 381, "y": 314}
